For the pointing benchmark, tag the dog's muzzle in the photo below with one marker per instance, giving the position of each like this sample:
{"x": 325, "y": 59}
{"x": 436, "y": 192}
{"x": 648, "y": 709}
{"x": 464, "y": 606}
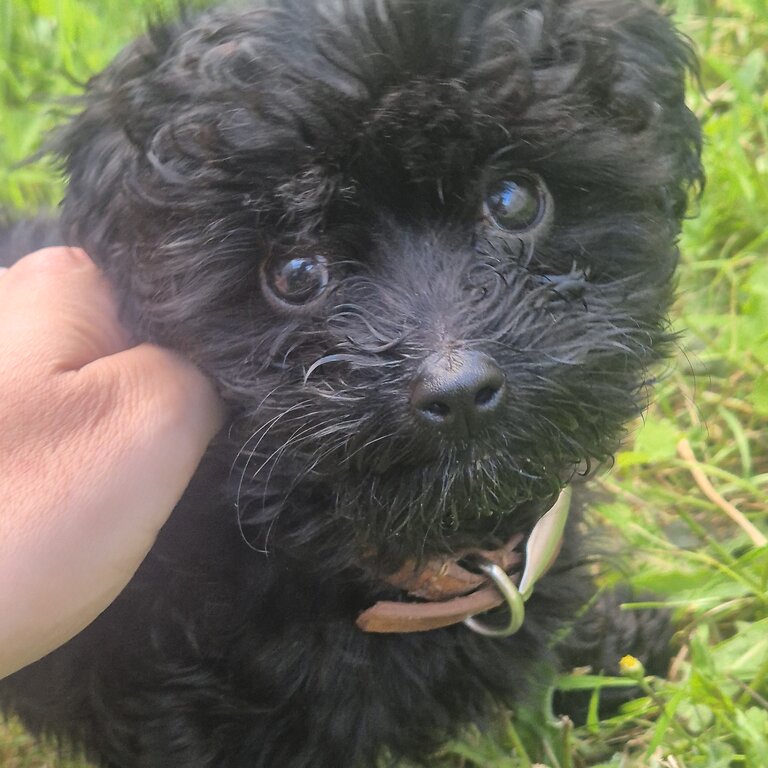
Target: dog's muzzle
{"x": 456, "y": 589}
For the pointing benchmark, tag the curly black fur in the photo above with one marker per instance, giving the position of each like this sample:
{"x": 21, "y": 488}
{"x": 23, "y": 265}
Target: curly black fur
{"x": 365, "y": 134}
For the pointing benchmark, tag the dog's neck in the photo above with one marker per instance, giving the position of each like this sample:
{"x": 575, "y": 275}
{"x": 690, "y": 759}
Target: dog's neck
{"x": 453, "y": 589}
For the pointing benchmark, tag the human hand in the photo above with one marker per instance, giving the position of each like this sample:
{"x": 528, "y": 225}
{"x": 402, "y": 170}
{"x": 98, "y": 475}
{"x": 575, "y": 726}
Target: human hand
{"x": 98, "y": 440}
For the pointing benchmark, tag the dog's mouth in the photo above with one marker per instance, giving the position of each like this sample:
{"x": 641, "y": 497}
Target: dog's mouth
{"x": 446, "y": 590}
{"x": 421, "y": 509}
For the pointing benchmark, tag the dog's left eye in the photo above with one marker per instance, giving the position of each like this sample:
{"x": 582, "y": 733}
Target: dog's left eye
{"x": 515, "y": 204}
{"x": 297, "y": 280}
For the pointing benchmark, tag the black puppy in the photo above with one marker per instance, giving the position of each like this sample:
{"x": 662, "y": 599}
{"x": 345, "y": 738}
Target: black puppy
{"x": 425, "y": 249}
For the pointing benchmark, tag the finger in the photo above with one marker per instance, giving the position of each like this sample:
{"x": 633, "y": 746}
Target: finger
{"x": 57, "y": 306}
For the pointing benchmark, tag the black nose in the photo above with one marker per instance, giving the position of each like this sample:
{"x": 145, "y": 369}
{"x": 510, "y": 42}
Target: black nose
{"x": 458, "y": 391}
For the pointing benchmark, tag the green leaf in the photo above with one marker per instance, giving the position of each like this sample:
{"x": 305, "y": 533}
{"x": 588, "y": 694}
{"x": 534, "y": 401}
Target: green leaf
{"x": 655, "y": 442}
{"x": 742, "y": 655}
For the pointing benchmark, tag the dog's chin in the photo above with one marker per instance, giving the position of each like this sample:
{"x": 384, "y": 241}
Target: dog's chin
{"x": 409, "y": 511}
{"x": 464, "y": 458}
{"x": 387, "y": 505}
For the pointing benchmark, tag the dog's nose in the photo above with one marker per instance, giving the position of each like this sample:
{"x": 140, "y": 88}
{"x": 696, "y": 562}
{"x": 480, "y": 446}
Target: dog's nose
{"x": 458, "y": 392}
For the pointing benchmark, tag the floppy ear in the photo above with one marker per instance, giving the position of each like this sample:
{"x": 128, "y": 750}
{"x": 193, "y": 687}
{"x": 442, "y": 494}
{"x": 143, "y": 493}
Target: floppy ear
{"x": 598, "y": 86}
{"x": 645, "y": 87}
{"x": 101, "y": 148}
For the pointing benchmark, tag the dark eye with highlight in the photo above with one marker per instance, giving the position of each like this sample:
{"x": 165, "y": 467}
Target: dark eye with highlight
{"x": 296, "y": 280}
{"x": 516, "y": 203}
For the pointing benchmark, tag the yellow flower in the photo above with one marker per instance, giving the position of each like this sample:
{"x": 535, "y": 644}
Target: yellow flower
{"x": 629, "y": 666}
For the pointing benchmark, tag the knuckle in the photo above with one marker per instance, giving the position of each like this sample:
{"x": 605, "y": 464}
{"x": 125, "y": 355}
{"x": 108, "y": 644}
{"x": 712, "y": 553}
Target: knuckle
{"x": 56, "y": 259}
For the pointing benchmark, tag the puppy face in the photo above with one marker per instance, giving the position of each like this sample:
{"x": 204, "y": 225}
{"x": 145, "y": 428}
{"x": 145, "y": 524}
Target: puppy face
{"x": 424, "y": 247}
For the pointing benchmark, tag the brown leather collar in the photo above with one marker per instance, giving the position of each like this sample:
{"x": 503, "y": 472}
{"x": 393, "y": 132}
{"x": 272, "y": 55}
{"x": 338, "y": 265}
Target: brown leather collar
{"x": 453, "y": 592}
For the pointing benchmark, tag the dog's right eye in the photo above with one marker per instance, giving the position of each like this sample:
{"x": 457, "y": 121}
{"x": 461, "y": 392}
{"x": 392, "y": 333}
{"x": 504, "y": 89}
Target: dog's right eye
{"x": 296, "y": 280}
{"x": 516, "y": 203}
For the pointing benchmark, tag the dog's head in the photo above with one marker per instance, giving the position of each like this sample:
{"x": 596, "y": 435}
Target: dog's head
{"x": 424, "y": 247}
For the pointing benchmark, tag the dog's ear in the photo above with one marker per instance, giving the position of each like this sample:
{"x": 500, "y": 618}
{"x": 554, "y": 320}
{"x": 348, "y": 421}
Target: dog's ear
{"x": 641, "y": 84}
{"x": 598, "y": 87}
{"x": 102, "y": 148}
{"x": 177, "y": 111}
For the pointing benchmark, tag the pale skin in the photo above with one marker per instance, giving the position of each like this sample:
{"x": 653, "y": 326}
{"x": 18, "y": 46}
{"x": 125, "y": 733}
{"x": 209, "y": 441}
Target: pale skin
{"x": 99, "y": 437}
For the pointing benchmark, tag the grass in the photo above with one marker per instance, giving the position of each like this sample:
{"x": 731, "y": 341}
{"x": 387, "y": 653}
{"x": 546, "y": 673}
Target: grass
{"x": 686, "y": 501}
